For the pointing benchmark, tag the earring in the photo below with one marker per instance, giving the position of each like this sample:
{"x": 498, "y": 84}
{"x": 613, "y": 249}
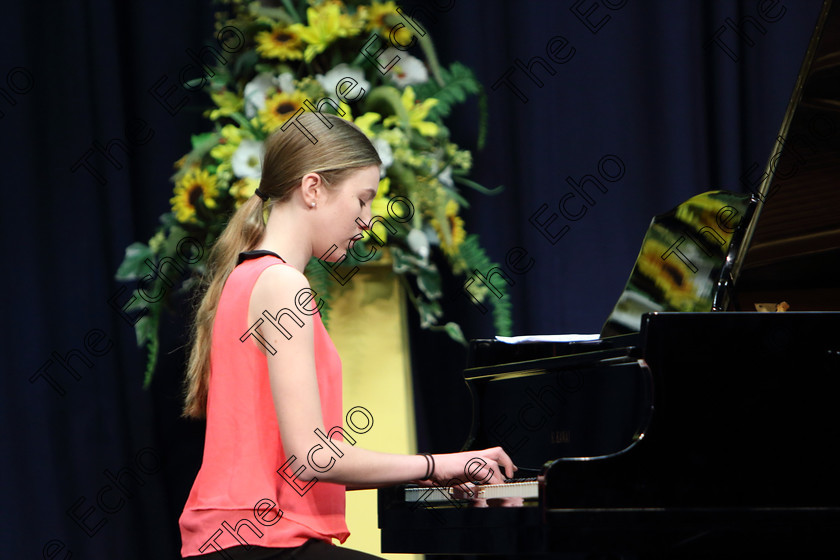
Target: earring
{"x": 312, "y": 204}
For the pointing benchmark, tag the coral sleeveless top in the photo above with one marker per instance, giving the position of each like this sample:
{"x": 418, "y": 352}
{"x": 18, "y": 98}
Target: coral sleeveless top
{"x": 238, "y": 497}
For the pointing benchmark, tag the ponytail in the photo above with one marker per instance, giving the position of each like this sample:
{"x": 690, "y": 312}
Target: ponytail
{"x": 243, "y": 233}
{"x": 288, "y": 157}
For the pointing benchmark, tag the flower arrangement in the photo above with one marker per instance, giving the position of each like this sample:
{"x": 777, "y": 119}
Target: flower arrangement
{"x": 351, "y": 59}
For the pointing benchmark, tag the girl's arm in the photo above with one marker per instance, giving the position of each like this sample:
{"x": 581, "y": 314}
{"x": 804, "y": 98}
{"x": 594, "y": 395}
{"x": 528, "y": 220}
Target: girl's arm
{"x": 294, "y": 389}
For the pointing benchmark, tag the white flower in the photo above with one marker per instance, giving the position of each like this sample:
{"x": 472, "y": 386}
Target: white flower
{"x": 408, "y": 71}
{"x": 349, "y": 90}
{"x": 255, "y": 92}
{"x": 431, "y": 235}
{"x": 383, "y": 149}
{"x": 247, "y": 159}
{"x": 286, "y": 82}
{"x": 419, "y": 243}
{"x": 445, "y": 177}
{"x": 257, "y": 89}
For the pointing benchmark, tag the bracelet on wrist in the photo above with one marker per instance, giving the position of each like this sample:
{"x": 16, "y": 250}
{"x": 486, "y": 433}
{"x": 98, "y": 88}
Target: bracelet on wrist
{"x": 430, "y": 465}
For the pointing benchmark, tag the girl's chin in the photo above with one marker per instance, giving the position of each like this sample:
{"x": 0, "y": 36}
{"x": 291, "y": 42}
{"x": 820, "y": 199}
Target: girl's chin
{"x": 335, "y": 252}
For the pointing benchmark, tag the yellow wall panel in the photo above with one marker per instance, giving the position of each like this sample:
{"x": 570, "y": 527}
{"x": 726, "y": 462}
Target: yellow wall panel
{"x": 367, "y": 323}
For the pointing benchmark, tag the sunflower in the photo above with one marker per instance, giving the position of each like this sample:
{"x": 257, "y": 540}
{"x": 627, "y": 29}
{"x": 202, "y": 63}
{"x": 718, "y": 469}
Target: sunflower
{"x": 280, "y": 107}
{"x": 282, "y": 42}
{"x": 383, "y": 18}
{"x": 377, "y": 12}
{"x": 196, "y": 185}
{"x": 669, "y": 275}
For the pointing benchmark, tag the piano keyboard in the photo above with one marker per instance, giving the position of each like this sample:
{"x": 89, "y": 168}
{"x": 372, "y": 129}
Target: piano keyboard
{"x": 522, "y": 488}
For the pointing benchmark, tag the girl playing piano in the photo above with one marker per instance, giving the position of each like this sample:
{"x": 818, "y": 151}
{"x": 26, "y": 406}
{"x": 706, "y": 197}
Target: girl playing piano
{"x": 266, "y": 376}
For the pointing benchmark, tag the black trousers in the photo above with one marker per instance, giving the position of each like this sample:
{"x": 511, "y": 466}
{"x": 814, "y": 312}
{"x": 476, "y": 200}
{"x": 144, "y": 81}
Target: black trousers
{"x": 313, "y": 549}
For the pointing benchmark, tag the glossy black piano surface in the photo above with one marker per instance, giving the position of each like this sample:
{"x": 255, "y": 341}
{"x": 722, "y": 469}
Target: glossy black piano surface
{"x": 738, "y": 451}
{"x": 696, "y": 426}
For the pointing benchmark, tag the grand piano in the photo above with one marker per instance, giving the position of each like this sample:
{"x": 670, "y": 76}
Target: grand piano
{"x": 702, "y": 421}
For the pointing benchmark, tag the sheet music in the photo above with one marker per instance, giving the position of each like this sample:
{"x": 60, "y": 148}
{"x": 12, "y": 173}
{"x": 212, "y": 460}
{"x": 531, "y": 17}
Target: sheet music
{"x": 549, "y": 338}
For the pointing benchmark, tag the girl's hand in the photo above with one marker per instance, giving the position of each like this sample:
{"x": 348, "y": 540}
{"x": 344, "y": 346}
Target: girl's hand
{"x": 463, "y": 471}
{"x": 486, "y": 466}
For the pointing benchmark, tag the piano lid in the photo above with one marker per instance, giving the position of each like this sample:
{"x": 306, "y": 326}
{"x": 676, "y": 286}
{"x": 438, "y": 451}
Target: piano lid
{"x": 781, "y": 242}
{"x": 792, "y": 244}
{"x": 685, "y": 263}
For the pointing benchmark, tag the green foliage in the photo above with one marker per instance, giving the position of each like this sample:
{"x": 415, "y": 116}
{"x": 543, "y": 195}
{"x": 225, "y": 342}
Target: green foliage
{"x": 406, "y": 123}
{"x": 319, "y": 281}
{"x": 147, "y": 334}
{"x": 477, "y": 260}
{"x": 133, "y": 263}
{"x": 459, "y": 83}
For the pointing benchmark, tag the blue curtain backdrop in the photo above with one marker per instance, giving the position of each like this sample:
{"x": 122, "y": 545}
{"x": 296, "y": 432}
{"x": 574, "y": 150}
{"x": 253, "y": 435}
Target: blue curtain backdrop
{"x": 641, "y": 104}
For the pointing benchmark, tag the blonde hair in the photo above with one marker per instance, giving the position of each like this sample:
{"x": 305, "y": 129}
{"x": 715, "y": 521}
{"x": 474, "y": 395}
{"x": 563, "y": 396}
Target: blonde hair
{"x": 333, "y": 148}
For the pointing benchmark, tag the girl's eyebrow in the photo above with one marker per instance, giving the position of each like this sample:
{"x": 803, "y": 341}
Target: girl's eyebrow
{"x": 371, "y": 193}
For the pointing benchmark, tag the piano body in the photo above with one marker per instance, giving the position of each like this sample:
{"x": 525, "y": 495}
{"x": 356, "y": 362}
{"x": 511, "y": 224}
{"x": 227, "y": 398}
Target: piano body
{"x": 695, "y": 425}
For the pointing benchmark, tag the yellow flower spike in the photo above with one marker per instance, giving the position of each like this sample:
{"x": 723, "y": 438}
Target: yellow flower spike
{"x": 222, "y": 152}
{"x": 348, "y": 114}
{"x": 232, "y": 133}
{"x": 224, "y": 171}
{"x": 228, "y": 103}
{"x": 454, "y": 234}
{"x": 366, "y": 121}
{"x": 156, "y": 242}
{"x": 379, "y": 206}
{"x": 231, "y": 137}
{"x": 384, "y": 187}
